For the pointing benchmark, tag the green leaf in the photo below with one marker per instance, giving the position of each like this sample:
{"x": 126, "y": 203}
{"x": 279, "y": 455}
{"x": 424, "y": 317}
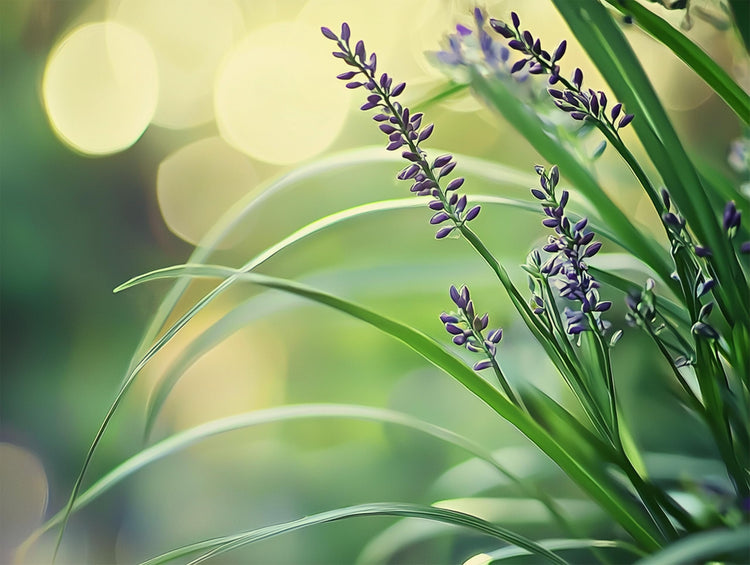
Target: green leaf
{"x": 186, "y": 438}
{"x": 218, "y": 546}
{"x": 629, "y": 516}
{"x": 692, "y": 55}
{"x": 505, "y": 553}
{"x": 702, "y": 547}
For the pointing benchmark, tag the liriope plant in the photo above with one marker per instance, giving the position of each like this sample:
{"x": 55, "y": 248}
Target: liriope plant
{"x": 692, "y": 300}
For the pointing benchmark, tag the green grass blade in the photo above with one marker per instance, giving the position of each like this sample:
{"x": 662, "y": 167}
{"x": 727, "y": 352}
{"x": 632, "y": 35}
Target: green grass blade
{"x": 703, "y": 546}
{"x": 692, "y": 55}
{"x": 618, "y": 507}
{"x": 187, "y": 438}
{"x": 741, "y": 9}
{"x": 436, "y": 96}
{"x": 528, "y": 124}
{"x": 223, "y": 545}
{"x": 506, "y": 553}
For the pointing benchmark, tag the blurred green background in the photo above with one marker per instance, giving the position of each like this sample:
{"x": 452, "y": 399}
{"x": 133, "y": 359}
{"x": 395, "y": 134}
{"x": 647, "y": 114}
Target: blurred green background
{"x": 126, "y": 129}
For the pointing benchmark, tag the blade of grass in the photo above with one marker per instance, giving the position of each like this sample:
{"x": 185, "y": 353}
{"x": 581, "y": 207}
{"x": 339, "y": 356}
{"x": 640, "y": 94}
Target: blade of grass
{"x": 197, "y": 434}
{"x": 692, "y": 55}
{"x": 630, "y": 517}
{"x": 505, "y": 553}
{"x": 218, "y": 546}
{"x": 702, "y": 547}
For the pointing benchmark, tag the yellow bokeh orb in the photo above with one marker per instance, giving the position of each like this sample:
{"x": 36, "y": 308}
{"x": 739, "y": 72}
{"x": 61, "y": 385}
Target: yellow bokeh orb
{"x": 198, "y": 183}
{"x": 189, "y": 39}
{"x": 100, "y": 87}
{"x": 276, "y": 97}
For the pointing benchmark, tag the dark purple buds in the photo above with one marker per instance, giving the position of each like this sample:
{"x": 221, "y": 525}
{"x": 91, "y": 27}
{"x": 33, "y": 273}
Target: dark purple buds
{"x": 593, "y": 249}
{"x": 538, "y": 194}
{"x": 359, "y": 50}
{"x": 444, "y": 232}
{"x": 517, "y": 66}
{"x": 439, "y": 218}
{"x": 328, "y": 33}
{"x": 554, "y": 175}
{"x": 745, "y": 247}
{"x": 536, "y": 69}
{"x": 436, "y": 205}
{"x": 398, "y": 89}
{"x": 577, "y": 78}
{"x": 704, "y": 330}
{"x": 448, "y": 318}
{"x": 603, "y": 306}
{"x": 442, "y": 161}
{"x": 502, "y": 28}
{"x": 665, "y": 198}
{"x": 387, "y": 128}
{"x": 347, "y": 75}
{"x": 732, "y": 217}
{"x": 481, "y": 365}
{"x": 554, "y": 93}
{"x": 515, "y": 19}
{"x": 704, "y": 288}
{"x": 425, "y": 133}
{"x": 626, "y": 119}
{"x": 701, "y": 251}
{"x": 455, "y": 184}
{"x": 447, "y": 169}
{"x": 578, "y": 115}
{"x": 580, "y": 224}
{"x": 560, "y": 51}
{"x": 345, "y": 32}
{"x": 473, "y": 213}
{"x": 616, "y": 111}
{"x": 670, "y": 219}
{"x": 706, "y": 311}
{"x": 460, "y": 204}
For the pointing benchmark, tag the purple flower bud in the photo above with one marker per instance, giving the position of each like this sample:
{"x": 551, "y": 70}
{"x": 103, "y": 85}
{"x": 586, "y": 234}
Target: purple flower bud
{"x": 495, "y": 335}
{"x": 670, "y": 219}
{"x": 353, "y": 84}
{"x": 704, "y": 288}
{"x": 461, "y": 204}
{"x": 514, "y": 18}
{"x": 564, "y": 199}
{"x": 517, "y": 66}
{"x": 456, "y": 297}
{"x": 447, "y": 169}
{"x": 398, "y": 89}
{"x": 502, "y": 28}
{"x": 459, "y": 339}
{"x": 473, "y": 213}
{"x": 439, "y": 218}
{"x": 554, "y": 77}
{"x": 426, "y": 132}
{"x": 580, "y": 224}
{"x": 594, "y": 103}
{"x": 409, "y": 172}
{"x": 554, "y": 175}
{"x": 463, "y": 30}
{"x": 436, "y": 205}
{"x": 745, "y": 247}
{"x": 732, "y": 218}
{"x": 448, "y": 318}
{"x": 340, "y": 55}
{"x": 578, "y": 115}
{"x": 560, "y": 51}
{"x": 328, "y": 33}
{"x": 442, "y": 161}
{"x": 481, "y": 365}
{"x": 551, "y": 222}
{"x": 373, "y": 62}
{"x": 538, "y": 194}
{"x": 359, "y": 50}
{"x": 380, "y": 117}
{"x": 410, "y": 156}
{"x": 577, "y": 78}
{"x": 554, "y": 93}
{"x": 626, "y": 119}
{"x": 393, "y": 145}
{"x": 602, "y": 100}
{"x": 704, "y": 330}
{"x": 347, "y": 75}
{"x": 593, "y": 249}
{"x": 701, "y": 251}
{"x": 615, "y": 111}
{"x": 443, "y": 232}
{"x": 345, "y": 32}
{"x": 706, "y": 310}
{"x": 455, "y": 184}
{"x": 452, "y": 328}
{"x": 603, "y": 306}
{"x": 536, "y": 69}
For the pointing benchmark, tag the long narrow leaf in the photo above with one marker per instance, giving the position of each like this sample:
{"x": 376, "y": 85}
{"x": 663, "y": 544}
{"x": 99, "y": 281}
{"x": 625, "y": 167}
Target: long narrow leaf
{"x": 701, "y": 547}
{"x": 221, "y": 545}
{"x": 506, "y": 553}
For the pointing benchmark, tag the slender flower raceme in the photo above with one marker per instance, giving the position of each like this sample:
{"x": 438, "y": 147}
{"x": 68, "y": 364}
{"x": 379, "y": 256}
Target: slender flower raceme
{"x": 570, "y": 247}
{"x": 580, "y": 103}
{"x": 405, "y": 131}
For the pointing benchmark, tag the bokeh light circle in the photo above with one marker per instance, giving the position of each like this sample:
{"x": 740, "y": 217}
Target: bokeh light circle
{"x": 189, "y": 39}
{"x": 23, "y": 493}
{"x": 275, "y": 97}
{"x": 198, "y": 183}
{"x": 100, "y": 87}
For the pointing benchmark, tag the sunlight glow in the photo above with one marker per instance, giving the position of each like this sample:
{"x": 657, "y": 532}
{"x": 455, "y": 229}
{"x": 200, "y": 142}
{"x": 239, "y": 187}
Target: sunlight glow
{"x": 274, "y": 97}
{"x": 198, "y": 183}
{"x": 189, "y": 39}
{"x": 100, "y": 87}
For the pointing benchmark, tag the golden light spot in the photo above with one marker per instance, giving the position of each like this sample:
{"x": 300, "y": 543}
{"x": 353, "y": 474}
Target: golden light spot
{"x": 275, "y": 96}
{"x": 23, "y": 494}
{"x": 189, "y": 39}
{"x": 198, "y": 183}
{"x": 100, "y": 87}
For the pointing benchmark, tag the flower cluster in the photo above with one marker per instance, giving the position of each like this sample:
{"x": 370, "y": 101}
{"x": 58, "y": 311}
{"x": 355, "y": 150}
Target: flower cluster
{"x": 570, "y": 247}
{"x": 580, "y": 103}
{"x": 404, "y": 130}
{"x": 731, "y": 222}
{"x": 466, "y": 327}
